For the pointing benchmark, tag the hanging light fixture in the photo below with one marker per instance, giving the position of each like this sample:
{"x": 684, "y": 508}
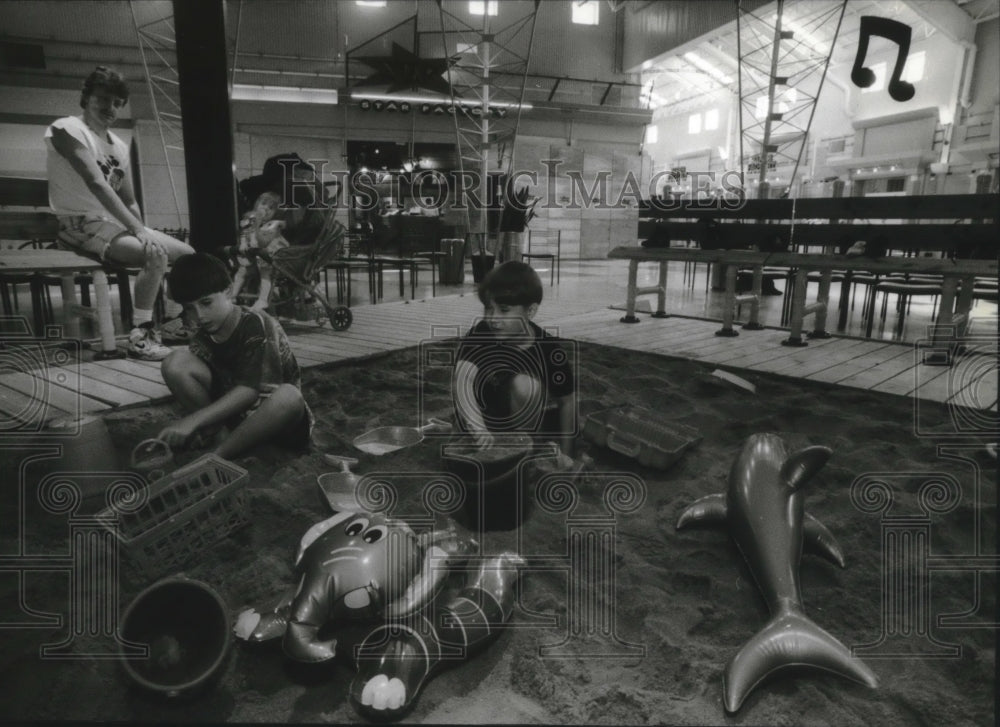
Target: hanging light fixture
{"x": 410, "y": 163}
{"x": 283, "y": 94}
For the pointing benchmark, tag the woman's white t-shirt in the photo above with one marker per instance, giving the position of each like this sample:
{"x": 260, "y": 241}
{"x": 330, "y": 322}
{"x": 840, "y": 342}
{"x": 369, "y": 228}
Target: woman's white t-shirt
{"x": 68, "y": 193}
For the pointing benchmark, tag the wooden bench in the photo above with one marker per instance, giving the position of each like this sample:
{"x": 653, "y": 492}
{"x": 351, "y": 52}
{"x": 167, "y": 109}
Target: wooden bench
{"x": 961, "y": 226}
{"x": 24, "y": 218}
{"x": 66, "y": 265}
{"x": 957, "y": 294}
{"x": 956, "y": 225}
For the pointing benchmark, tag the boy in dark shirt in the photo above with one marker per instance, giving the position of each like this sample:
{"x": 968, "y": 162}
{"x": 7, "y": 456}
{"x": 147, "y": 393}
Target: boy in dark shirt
{"x": 511, "y": 376}
{"x": 238, "y": 370}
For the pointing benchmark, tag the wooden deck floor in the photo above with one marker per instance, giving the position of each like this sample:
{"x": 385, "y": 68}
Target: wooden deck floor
{"x": 893, "y": 368}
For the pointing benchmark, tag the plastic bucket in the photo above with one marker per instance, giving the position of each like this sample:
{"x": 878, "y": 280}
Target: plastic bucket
{"x": 481, "y": 264}
{"x": 186, "y": 627}
{"x": 87, "y": 458}
{"x": 496, "y": 484}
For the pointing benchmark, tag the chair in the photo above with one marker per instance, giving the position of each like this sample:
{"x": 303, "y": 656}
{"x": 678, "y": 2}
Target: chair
{"x": 540, "y": 247}
{"x": 364, "y": 250}
{"x": 395, "y": 264}
{"x": 904, "y": 288}
{"x": 354, "y": 256}
{"x": 416, "y": 259}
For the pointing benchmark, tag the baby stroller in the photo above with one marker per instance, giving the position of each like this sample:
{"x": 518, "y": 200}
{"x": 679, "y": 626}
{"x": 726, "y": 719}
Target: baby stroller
{"x": 296, "y": 271}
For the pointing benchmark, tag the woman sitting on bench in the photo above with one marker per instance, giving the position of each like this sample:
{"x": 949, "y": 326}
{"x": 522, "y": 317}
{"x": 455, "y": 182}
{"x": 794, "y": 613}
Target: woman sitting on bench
{"x": 90, "y": 191}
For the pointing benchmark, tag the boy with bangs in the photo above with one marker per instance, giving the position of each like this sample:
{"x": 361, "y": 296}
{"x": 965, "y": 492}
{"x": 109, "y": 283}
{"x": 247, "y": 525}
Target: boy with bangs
{"x": 510, "y": 375}
{"x": 238, "y": 371}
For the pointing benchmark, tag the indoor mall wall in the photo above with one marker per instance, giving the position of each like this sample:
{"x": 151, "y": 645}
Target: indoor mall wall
{"x": 844, "y": 114}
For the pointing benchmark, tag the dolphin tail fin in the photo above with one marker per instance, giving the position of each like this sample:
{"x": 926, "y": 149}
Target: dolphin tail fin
{"x": 818, "y": 539}
{"x": 801, "y": 466}
{"x": 711, "y": 508}
{"x": 789, "y": 639}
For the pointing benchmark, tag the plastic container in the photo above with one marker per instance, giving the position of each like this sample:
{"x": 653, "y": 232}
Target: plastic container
{"x": 185, "y": 513}
{"x": 185, "y": 626}
{"x": 641, "y": 434}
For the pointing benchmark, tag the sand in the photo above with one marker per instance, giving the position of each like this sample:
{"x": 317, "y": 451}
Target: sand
{"x": 679, "y": 603}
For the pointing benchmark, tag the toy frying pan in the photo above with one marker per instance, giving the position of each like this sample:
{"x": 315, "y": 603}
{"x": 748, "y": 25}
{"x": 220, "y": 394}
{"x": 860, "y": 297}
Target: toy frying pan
{"x": 388, "y": 439}
{"x": 338, "y": 488}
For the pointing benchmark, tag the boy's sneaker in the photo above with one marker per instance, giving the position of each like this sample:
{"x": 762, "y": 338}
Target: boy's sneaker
{"x": 144, "y": 343}
{"x": 176, "y": 330}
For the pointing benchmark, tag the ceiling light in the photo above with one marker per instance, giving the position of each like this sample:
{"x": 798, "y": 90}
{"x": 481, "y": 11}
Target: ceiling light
{"x": 702, "y": 65}
{"x": 437, "y": 100}
{"x": 283, "y": 94}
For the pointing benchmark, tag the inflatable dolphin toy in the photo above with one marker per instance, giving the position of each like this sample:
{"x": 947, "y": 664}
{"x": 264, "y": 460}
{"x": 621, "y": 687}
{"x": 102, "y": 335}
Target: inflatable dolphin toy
{"x": 763, "y": 507}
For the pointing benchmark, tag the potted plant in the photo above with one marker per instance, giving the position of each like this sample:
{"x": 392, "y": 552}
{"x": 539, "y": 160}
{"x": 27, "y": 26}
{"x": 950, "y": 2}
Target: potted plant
{"x": 518, "y": 209}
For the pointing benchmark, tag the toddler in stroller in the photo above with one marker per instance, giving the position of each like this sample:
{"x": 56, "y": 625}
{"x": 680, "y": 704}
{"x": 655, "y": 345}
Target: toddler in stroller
{"x": 260, "y": 238}
{"x": 289, "y": 274}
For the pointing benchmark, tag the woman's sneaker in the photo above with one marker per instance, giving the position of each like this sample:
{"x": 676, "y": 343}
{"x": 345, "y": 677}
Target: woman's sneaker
{"x": 144, "y": 343}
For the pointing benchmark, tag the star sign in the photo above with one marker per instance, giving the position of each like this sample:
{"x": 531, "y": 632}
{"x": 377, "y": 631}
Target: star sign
{"x": 403, "y": 70}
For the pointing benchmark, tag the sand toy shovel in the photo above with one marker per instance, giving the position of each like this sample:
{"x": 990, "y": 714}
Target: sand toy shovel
{"x": 338, "y": 488}
{"x": 388, "y": 439}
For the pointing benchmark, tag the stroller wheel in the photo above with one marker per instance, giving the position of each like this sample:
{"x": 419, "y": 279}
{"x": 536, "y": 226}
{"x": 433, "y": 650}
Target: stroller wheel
{"x": 341, "y": 318}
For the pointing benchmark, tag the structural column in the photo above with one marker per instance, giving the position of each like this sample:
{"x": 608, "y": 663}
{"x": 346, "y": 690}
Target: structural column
{"x": 208, "y": 133}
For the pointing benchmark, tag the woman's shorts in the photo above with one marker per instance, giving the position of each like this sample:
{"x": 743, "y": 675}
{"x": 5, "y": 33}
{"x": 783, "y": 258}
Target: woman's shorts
{"x": 89, "y": 234}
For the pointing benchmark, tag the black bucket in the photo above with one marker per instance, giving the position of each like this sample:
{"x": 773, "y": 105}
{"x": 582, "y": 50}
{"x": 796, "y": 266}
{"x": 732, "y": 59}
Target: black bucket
{"x": 497, "y": 480}
{"x": 186, "y": 627}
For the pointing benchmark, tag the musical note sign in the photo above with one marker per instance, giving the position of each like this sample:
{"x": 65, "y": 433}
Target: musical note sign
{"x": 898, "y": 33}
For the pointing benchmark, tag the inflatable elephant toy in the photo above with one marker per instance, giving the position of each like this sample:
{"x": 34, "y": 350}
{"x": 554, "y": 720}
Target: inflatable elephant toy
{"x": 392, "y": 597}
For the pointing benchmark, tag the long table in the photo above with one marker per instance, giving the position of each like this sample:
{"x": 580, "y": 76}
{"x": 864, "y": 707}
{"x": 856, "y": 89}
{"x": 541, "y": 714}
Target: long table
{"x": 958, "y": 278}
{"x": 65, "y": 265}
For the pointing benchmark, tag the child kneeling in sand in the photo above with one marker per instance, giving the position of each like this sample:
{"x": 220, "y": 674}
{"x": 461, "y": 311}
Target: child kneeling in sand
{"x": 237, "y": 372}
{"x": 510, "y": 375}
